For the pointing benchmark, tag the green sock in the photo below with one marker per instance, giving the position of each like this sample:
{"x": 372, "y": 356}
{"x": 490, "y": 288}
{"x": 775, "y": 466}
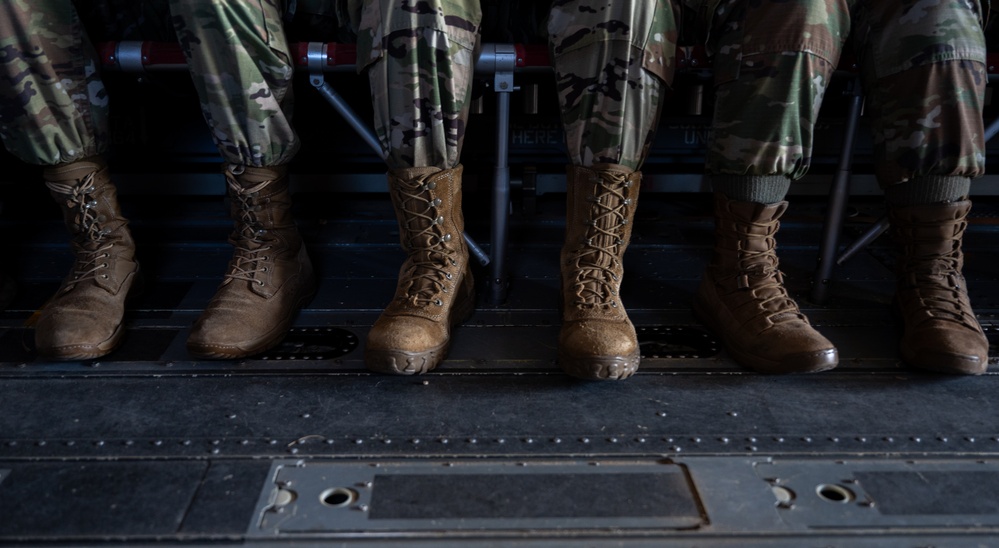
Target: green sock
{"x": 931, "y": 189}
{"x": 761, "y": 189}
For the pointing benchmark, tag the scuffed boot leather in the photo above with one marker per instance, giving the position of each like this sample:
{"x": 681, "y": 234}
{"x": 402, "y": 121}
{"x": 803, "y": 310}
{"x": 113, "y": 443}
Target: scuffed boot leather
{"x": 597, "y": 340}
{"x": 940, "y": 330}
{"x": 269, "y": 277}
{"x": 83, "y": 319}
{"x": 435, "y": 290}
{"x": 742, "y": 297}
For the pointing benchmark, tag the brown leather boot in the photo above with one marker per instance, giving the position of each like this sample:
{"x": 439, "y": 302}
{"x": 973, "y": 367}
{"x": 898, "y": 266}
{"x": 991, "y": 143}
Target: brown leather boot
{"x": 83, "y": 319}
{"x": 435, "y": 290}
{"x": 597, "y": 340}
{"x": 742, "y": 297}
{"x": 940, "y": 329}
{"x": 270, "y": 276}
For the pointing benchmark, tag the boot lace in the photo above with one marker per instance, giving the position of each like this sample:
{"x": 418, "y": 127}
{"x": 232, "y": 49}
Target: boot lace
{"x": 935, "y": 276}
{"x": 759, "y": 271}
{"x": 247, "y": 236}
{"x": 426, "y": 242}
{"x": 88, "y": 241}
{"x": 597, "y": 261}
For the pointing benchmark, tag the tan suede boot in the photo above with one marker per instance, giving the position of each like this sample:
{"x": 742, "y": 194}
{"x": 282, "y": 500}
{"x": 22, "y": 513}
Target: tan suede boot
{"x": 269, "y": 278}
{"x": 742, "y": 297}
{"x": 435, "y": 290}
{"x": 940, "y": 329}
{"x": 83, "y": 319}
{"x": 597, "y": 340}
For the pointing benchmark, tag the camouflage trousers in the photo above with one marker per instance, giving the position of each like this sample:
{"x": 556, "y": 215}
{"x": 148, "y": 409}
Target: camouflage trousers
{"x": 53, "y": 106}
{"x": 610, "y": 59}
{"x": 419, "y": 56}
{"x": 241, "y": 65}
{"x": 612, "y": 62}
{"x": 921, "y": 65}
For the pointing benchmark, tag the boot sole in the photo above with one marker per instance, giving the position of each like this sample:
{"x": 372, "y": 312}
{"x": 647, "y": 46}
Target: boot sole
{"x": 401, "y": 362}
{"x": 945, "y": 363}
{"x": 812, "y": 362}
{"x": 397, "y": 362}
{"x": 603, "y": 368}
{"x": 272, "y": 339}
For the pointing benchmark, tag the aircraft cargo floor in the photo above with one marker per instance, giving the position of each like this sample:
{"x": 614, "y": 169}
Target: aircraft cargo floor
{"x": 303, "y": 445}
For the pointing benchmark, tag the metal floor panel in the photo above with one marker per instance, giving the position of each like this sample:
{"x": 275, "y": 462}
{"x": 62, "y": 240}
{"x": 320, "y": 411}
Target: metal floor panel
{"x": 147, "y": 444}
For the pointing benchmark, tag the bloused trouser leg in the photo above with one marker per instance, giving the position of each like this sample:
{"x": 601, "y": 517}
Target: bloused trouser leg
{"x": 53, "y": 106}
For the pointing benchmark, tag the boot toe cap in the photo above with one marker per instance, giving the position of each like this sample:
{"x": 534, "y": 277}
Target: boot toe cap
{"x": 791, "y": 348}
{"x": 76, "y": 334}
{"x": 405, "y": 346}
{"x": 599, "y": 350}
{"x": 959, "y": 353}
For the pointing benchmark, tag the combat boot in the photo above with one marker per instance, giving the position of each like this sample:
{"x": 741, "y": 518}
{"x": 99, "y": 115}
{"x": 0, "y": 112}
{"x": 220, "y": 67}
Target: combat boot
{"x": 742, "y": 298}
{"x": 269, "y": 277}
{"x": 597, "y": 340}
{"x": 435, "y": 291}
{"x": 940, "y": 332}
{"x": 83, "y": 319}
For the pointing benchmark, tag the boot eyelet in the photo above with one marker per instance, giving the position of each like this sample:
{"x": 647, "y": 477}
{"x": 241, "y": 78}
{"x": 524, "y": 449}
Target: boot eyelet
{"x": 436, "y": 202}
{"x": 447, "y": 237}
{"x": 104, "y": 265}
{"x": 440, "y": 220}
{"x": 438, "y": 302}
{"x": 448, "y": 276}
{"x": 260, "y": 283}
{"x": 104, "y": 276}
{"x": 431, "y": 185}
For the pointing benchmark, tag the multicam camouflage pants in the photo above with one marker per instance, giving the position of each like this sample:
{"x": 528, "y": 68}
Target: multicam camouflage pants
{"x": 53, "y": 106}
{"x": 612, "y": 60}
{"x": 419, "y": 56}
{"x": 922, "y": 66}
{"x": 241, "y": 65}
{"x": 772, "y": 60}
